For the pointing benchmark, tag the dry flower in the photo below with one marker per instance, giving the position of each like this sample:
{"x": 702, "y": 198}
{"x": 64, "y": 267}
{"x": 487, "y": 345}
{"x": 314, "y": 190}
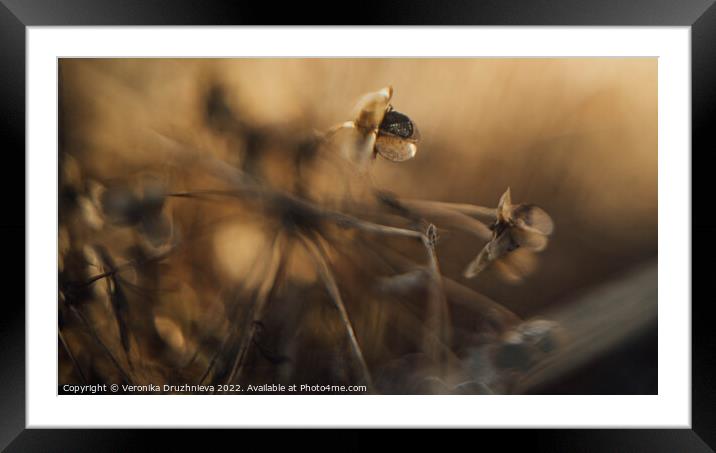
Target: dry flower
{"x": 381, "y": 130}
{"x": 520, "y": 226}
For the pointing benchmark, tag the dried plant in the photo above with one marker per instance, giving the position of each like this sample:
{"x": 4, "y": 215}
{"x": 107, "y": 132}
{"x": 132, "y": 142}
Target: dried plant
{"x": 288, "y": 266}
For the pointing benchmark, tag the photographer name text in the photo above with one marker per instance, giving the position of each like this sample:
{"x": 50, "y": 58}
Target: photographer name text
{"x": 208, "y": 389}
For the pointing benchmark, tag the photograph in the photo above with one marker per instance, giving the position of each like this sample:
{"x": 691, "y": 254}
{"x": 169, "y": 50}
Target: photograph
{"x": 357, "y": 226}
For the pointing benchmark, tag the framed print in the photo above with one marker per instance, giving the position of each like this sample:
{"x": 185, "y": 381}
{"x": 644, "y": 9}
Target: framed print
{"x": 477, "y": 218}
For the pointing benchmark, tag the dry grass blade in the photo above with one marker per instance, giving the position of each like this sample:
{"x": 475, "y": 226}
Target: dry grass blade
{"x": 599, "y": 320}
{"x": 453, "y": 217}
{"x": 126, "y": 266}
{"x": 93, "y": 333}
{"x": 120, "y": 306}
{"x": 438, "y": 316}
{"x": 332, "y": 287}
{"x": 441, "y": 206}
{"x": 499, "y": 316}
{"x": 234, "y": 317}
{"x": 72, "y": 357}
{"x": 267, "y": 287}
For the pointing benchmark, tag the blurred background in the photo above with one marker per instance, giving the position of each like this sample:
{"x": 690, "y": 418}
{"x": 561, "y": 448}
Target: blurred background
{"x": 576, "y": 136}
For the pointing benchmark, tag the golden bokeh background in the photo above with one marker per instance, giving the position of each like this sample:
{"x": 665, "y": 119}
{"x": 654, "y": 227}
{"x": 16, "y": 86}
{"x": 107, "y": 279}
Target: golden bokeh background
{"x": 576, "y": 136}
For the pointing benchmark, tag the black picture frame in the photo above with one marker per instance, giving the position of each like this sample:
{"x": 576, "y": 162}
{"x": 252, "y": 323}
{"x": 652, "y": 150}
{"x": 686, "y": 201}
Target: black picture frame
{"x": 16, "y": 15}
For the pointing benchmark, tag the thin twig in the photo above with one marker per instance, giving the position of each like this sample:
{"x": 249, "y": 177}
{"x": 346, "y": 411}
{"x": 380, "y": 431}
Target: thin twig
{"x": 214, "y": 358}
{"x": 413, "y": 318}
{"x": 332, "y": 288}
{"x": 266, "y": 289}
{"x": 438, "y": 315}
{"x": 95, "y": 336}
{"x": 233, "y": 316}
{"x": 454, "y": 217}
{"x": 73, "y": 359}
{"x": 457, "y": 294}
{"x": 127, "y": 265}
{"x": 465, "y": 208}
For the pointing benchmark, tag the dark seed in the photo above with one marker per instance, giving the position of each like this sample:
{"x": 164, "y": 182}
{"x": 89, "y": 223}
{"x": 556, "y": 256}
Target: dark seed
{"x": 395, "y": 123}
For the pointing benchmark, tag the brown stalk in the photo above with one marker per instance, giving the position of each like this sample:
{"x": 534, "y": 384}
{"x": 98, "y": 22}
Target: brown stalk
{"x": 266, "y": 290}
{"x": 95, "y": 336}
{"x": 73, "y": 359}
{"x": 464, "y": 208}
{"x": 332, "y": 288}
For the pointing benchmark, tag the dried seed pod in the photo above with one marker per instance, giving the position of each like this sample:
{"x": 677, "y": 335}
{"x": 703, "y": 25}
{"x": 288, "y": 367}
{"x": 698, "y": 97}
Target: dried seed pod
{"x": 521, "y": 226}
{"x": 383, "y": 130}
